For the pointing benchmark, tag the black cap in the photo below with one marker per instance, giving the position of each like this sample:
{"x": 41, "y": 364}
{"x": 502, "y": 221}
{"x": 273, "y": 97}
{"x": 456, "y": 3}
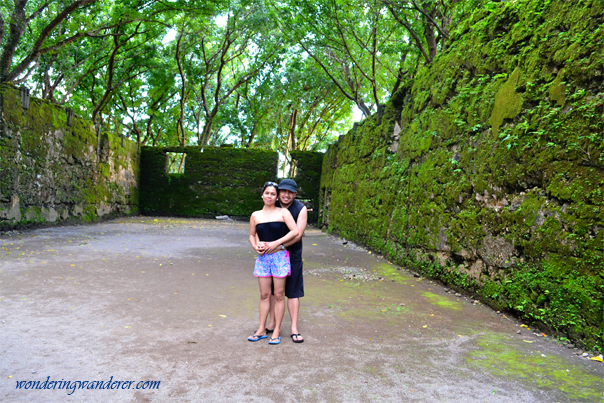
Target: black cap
{"x": 288, "y": 184}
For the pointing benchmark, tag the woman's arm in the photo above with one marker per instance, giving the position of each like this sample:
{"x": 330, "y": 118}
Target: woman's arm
{"x": 258, "y": 246}
{"x": 272, "y": 247}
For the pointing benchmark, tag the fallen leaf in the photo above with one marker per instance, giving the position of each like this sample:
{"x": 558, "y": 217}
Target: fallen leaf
{"x": 527, "y": 341}
{"x": 143, "y": 271}
{"x": 431, "y": 314}
{"x": 10, "y": 376}
{"x": 73, "y": 264}
{"x": 191, "y": 342}
{"x": 175, "y": 293}
{"x": 596, "y": 359}
{"x": 222, "y": 316}
{"x": 425, "y": 326}
{"x": 127, "y": 327}
{"x": 314, "y": 244}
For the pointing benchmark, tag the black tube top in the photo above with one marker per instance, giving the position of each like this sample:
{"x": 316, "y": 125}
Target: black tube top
{"x": 271, "y": 231}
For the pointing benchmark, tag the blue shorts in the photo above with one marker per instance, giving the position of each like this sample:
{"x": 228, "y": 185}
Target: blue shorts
{"x": 274, "y": 265}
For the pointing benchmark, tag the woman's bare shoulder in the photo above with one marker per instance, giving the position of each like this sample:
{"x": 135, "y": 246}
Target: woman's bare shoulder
{"x": 257, "y": 214}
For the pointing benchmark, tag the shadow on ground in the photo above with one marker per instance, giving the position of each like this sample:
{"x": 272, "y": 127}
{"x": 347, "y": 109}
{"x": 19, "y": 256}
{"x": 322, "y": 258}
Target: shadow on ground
{"x": 173, "y": 300}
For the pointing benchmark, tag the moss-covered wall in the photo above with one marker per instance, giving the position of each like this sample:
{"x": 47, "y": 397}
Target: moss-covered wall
{"x": 52, "y": 172}
{"x": 308, "y": 178}
{"x": 487, "y": 170}
{"x": 217, "y": 181}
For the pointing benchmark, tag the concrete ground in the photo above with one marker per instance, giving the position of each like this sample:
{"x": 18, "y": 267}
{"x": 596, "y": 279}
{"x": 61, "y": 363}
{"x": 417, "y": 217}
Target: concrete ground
{"x": 173, "y": 300}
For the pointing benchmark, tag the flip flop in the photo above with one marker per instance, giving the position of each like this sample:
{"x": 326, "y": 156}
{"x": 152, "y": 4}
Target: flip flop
{"x": 256, "y": 337}
{"x": 275, "y": 342}
{"x": 298, "y": 335}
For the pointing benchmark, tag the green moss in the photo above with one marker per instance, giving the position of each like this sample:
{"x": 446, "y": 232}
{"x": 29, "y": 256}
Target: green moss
{"x": 503, "y": 360}
{"x": 557, "y": 91}
{"x": 441, "y": 301}
{"x": 508, "y": 103}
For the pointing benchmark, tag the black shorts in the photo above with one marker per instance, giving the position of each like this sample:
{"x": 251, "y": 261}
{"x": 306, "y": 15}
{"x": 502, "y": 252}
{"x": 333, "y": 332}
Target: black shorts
{"x": 294, "y": 283}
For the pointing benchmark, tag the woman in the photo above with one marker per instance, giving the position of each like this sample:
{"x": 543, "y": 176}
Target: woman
{"x": 273, "y": 226}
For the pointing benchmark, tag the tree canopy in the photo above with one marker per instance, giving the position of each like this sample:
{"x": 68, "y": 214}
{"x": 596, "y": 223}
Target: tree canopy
{"x": 285, "y": 75}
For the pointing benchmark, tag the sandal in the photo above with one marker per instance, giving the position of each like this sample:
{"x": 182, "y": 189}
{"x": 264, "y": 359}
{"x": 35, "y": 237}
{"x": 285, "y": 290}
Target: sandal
{"x": 256, "y": 337}
{"x": 297, "y": 338}
{"x": 275, "y": 342}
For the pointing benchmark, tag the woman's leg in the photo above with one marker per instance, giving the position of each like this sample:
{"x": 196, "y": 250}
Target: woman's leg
{"x": 279, "y": 284}
{"x": 271, "y": 316}
{"x": 265, "y": 293}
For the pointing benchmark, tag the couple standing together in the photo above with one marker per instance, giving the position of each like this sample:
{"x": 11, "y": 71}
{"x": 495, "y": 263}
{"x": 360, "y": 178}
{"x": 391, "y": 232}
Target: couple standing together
{"x": 276, "y": 235}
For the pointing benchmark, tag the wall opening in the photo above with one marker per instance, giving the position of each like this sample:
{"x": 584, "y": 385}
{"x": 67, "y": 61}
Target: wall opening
{"x": 175, "y": 163}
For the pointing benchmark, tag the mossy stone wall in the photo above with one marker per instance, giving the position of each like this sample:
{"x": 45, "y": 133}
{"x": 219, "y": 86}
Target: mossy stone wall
{"x": 308, "y": 178}
{"x": 51, "y": 172}
{"x": 217, "y": 181}
{"x": 487, "y": 170}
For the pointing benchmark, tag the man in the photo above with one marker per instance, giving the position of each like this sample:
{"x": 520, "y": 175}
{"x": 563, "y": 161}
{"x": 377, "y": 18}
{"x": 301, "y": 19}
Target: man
{"x": 294, "y": 285}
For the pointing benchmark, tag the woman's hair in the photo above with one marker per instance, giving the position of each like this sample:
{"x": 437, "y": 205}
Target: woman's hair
{"x": 273, "y": 184}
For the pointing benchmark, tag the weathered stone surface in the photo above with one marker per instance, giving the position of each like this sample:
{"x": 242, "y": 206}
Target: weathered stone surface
{"x": 51, "y": 172}
{"x": 496, "y": 251}
{"x": 49, "y": 215}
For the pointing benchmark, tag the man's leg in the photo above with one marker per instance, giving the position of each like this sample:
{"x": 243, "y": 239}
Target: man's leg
{"x": 293, "y": 307}
{"x": 294, "y": 290}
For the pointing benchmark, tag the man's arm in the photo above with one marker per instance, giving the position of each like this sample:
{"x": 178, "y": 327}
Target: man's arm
{"x": 302, "y": 220}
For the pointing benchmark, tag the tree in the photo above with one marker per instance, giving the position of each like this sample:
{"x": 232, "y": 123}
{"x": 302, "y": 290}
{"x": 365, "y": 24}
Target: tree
{"x": 224, "y": 59}
{"x": 357, "y": 45}
{"x": 429, "y": 22}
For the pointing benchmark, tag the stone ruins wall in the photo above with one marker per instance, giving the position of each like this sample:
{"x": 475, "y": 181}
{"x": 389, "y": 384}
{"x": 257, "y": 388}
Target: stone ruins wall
{"x": 55, "y": 168}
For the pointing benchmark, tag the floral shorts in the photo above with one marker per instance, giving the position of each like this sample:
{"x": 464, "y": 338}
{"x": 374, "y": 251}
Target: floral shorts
{"x": 274, "y": 265}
